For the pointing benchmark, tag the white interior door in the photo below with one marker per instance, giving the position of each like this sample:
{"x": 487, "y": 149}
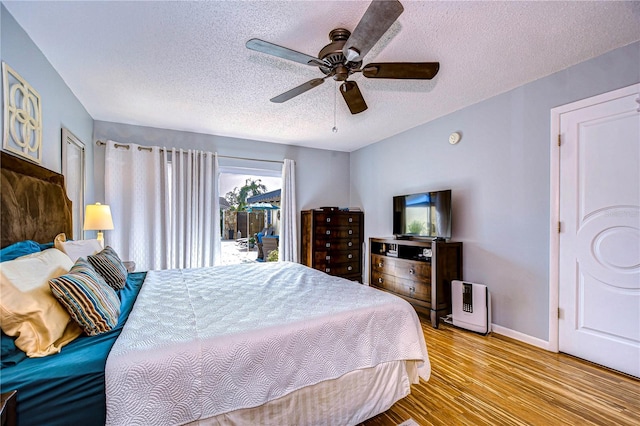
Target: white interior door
{"x": 599, "y": 252}
{"x": 73, "y": 169}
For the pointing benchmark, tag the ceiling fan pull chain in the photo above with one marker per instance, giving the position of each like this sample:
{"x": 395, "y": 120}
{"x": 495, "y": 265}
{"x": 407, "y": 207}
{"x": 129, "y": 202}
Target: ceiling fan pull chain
{"x": 335, "y": 104}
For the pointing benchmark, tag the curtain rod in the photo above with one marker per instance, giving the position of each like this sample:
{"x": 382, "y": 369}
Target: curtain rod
{"x": 146, "y": 148}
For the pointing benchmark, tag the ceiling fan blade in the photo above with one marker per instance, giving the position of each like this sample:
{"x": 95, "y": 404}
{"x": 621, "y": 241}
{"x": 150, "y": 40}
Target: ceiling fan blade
{"x": 297, "y": 90}
{"x": 283, "y": 52}
{"x": 353, "y": 97}
{"x": 410, "y": 70}
{"x": 380, "y": 15}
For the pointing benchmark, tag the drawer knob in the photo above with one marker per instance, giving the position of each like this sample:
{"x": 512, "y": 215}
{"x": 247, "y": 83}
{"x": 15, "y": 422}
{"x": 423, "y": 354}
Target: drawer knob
{"x": 350, "y": 231}
{"x": 327, "y": 270}
{"x": 349, "y": 268}
{"x": 411, "y": 271}
{"x": 350, "y": 219}
{"x": 327, "y": 245}
{"x": 328, "y": 219}
{"x": 327, "y": 257}
{"x": 328, "y": 232}
{"x": 380, "y": 280}
{"x": 349, "y": 256}
{"x": 350, "y": 244}
{"x": 380, "y": 265}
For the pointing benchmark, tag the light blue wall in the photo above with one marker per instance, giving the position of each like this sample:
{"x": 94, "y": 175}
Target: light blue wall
{"x": 499, "y": 174}
{"x": 322, "y": 176}
{"x": 60, "y": 107}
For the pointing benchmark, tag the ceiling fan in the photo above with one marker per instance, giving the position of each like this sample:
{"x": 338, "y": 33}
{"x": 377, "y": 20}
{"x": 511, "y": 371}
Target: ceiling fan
{"x": 343, "y": 56}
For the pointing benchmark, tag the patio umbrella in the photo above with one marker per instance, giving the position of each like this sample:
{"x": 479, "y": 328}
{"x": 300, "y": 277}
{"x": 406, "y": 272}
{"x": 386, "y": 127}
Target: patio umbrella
{"x": 261, "y": 206}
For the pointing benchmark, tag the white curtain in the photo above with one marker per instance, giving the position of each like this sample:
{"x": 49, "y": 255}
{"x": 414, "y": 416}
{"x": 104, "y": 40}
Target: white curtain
{"x": 288, "y": 246}
{"x": 164, "y": 205}
{"x": 135, "y": 187}
{"x": 194, "y": 217}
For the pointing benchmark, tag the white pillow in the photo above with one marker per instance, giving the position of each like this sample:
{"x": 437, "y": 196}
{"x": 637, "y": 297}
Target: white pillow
{"x": 28, "y": 309}
{"x": 77, "y": 249}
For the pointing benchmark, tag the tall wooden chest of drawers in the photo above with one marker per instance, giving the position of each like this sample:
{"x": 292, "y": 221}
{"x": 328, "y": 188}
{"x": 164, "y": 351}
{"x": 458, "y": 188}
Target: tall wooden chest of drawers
{"x": 332, "y": 242}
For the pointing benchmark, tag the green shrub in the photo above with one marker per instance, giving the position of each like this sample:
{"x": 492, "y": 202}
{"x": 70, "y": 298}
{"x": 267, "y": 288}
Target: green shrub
{"x": 272, "y": 256}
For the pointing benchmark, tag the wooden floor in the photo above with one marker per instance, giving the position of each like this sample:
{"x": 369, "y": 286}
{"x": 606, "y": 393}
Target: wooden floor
{"x": 494, "y": 380}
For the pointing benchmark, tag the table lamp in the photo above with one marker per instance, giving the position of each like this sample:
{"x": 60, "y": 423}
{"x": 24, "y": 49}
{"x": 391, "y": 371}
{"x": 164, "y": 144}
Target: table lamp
{"x": 97, "y": 217}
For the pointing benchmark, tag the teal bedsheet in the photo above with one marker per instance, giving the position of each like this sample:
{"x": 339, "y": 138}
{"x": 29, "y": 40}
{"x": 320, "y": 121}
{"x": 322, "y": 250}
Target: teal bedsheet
{"x": 68, "y": 388}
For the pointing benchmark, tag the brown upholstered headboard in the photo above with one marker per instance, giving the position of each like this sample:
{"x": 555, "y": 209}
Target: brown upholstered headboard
{"x": 34, "y": 202}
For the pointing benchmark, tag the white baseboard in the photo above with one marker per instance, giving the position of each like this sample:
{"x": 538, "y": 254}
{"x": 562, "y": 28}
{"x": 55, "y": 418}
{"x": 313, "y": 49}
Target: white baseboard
{"x": 525, "y": 338}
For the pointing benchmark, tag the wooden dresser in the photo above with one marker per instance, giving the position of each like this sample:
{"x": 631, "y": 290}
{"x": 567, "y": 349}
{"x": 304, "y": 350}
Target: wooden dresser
{"x": 332, "y": 242}
{"x": 418, "y": 271}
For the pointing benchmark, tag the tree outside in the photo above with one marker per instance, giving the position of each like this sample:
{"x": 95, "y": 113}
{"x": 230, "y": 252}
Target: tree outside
{"x": 238, "y": 197}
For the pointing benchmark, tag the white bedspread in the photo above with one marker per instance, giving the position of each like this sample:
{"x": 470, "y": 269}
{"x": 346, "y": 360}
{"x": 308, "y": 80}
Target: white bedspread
{"x": 201, "y": 342}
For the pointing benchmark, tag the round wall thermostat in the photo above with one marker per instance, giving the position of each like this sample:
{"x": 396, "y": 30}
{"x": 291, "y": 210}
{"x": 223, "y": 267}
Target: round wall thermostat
{"x": 454, "y": 138}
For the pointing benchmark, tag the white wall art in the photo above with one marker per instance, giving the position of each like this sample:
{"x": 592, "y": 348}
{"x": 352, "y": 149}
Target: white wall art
{"x": 22, "y": 116}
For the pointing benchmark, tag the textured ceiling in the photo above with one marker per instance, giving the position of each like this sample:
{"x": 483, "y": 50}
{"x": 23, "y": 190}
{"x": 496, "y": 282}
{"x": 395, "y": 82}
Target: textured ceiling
{"x": 184, "y": 65}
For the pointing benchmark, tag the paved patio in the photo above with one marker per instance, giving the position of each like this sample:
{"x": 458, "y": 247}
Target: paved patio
{"x": 232, "y": 253}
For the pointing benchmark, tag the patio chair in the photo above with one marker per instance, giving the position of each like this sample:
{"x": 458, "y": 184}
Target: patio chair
{"x": 266, "y": 232}
{"x": 269, "y": 243}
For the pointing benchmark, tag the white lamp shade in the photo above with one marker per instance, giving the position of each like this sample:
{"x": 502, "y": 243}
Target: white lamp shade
{"x": 97, "y": 217}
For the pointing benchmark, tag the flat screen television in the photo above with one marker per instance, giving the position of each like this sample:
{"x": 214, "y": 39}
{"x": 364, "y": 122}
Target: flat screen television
{"x": 423, "y": 215}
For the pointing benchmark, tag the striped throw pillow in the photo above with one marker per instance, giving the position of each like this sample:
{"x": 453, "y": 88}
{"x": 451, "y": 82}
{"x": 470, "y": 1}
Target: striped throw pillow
{"x": 89, "y": 300}
{"x": 108, "y": 264}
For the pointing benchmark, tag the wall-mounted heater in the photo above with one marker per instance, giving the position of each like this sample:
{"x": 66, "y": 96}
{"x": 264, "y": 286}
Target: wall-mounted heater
{"x": 471, "y": 306}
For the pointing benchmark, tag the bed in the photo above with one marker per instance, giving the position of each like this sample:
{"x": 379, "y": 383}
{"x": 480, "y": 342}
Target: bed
{"x": 264, "y": 343}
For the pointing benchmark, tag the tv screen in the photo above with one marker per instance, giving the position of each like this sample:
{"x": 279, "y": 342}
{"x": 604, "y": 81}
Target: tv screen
{"x": 424, "y": 215}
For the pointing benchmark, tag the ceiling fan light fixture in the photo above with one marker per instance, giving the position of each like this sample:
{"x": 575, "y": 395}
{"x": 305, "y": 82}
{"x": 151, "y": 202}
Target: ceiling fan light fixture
{"x": 352, "y": 54}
